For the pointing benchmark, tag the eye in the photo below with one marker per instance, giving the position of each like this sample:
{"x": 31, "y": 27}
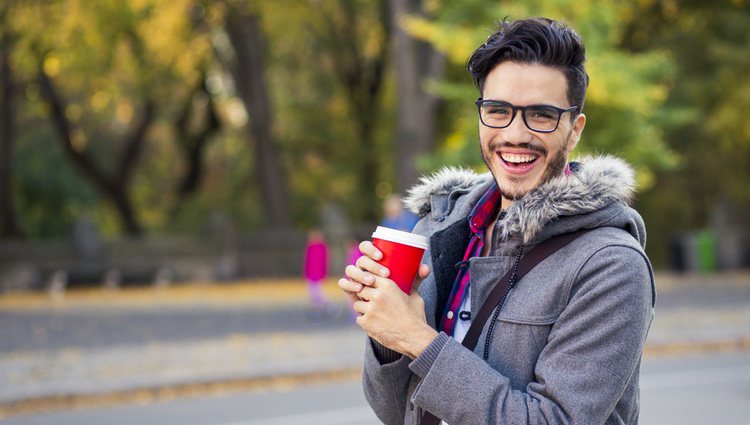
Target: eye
{"x": 495, "y": 109}
{"x": 542, "y": 113}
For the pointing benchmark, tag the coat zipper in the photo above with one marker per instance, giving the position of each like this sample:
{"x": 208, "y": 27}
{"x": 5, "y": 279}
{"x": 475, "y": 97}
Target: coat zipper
{"x": 511, "y": 284}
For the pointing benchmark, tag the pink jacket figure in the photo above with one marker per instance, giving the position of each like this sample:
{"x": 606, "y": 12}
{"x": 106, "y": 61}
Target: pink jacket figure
{"x": 316, "y": 258}
{"x": 316, "y": 269}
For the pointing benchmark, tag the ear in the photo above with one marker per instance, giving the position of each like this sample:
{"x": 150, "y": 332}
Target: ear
{"x": 579, "y": 123}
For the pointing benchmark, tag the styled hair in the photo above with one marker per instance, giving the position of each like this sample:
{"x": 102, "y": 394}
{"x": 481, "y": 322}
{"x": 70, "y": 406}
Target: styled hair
{"x": 539, "y": 41}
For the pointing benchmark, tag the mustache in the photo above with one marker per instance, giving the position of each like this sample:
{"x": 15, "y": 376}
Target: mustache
{"x": 494, "y": 146}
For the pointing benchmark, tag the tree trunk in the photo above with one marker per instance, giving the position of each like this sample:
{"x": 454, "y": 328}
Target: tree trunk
{"x": 8, "y": 224}
{"x": 416, "y": 62}
{"x": 193, "y": 144}
{"x": 246, "y": 36}
{"x": 114, "y": 189}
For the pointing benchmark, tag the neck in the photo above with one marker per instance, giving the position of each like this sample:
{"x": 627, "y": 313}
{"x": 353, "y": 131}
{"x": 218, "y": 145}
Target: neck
{"x": 490, "y": 230}
{"x": 505, "y": 202}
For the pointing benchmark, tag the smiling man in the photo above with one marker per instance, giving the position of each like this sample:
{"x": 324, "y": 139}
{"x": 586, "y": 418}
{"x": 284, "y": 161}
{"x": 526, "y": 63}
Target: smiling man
{"x": 563, "y": 345}
{"x": 521, "y": 160}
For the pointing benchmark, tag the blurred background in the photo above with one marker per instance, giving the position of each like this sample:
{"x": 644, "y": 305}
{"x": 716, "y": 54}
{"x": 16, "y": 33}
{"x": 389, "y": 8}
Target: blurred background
{"x": 162, "y": 163}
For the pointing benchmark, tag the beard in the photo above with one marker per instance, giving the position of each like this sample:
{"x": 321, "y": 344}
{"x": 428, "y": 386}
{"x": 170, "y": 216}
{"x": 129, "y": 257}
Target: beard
{"x": 555, "y": 167}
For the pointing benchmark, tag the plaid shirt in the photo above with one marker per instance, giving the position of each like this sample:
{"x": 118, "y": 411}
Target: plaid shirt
{"x": 479, "y": 219}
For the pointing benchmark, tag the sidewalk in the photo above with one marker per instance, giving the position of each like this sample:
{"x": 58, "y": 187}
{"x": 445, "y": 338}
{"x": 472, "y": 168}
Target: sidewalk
{"x": 695, "y": 314}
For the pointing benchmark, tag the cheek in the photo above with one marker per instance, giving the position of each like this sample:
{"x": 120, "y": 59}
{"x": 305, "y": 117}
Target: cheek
{"x": 482, "y": 132}
{"x": 554, "y": 146}
{"x": 485, "y": 136}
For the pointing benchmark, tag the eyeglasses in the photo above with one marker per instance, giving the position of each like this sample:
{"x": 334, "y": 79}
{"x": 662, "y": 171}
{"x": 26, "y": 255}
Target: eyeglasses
{"x": 539, "y": 118}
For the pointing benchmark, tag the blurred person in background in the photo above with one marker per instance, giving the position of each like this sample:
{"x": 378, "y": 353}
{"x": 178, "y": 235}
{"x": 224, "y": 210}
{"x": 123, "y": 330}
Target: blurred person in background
{"x": 316, "y": 270}
{"x": 396, "y": 216}
{"x": 565, "y": 344}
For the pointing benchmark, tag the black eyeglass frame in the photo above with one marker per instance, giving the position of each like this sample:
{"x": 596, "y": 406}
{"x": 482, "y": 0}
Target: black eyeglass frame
{"x": 560, "y": 111}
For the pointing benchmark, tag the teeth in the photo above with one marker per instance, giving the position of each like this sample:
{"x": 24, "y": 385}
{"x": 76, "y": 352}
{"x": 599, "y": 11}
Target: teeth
{"x": 517, "y": 158}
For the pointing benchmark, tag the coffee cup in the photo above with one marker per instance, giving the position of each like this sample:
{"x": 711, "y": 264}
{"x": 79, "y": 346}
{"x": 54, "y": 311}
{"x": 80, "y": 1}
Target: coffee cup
{"x": 402, "y": 254}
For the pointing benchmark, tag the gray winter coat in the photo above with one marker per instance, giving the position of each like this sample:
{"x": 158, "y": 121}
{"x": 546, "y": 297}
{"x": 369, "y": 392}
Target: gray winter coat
{"x": 567, "y": 345}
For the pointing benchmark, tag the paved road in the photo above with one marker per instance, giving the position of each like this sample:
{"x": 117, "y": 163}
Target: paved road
{"x": 713, "y": 390}
{"x": 159, "y": 341}
{"x": 56, "y": 329}
{"x": 696, "y": 391}
{"x": 53, "y": 329}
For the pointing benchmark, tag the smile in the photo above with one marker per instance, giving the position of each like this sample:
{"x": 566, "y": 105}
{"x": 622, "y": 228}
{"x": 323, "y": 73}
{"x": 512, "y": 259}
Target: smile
{"x": 518, "y": 163}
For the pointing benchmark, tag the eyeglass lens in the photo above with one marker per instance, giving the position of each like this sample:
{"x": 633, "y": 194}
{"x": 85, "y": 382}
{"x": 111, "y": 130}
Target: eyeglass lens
{"x": 542, "y": 118}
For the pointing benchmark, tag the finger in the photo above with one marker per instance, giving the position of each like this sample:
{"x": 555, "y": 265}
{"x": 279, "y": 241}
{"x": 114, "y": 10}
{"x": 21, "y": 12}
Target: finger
{"x": 370, "y": 265}
{"x": 368, "y": 249}
{"x": 349, "y": 286}
{"x": 424, "y": 271}
{"x": 366, "y": 293}
{"x": 356, "y": 274}
{"x": 360, "y": 307}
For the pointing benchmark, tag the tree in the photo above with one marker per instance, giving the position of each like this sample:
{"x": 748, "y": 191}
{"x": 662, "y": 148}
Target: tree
{"x": 417, "y": 64}
{"x": 355, "y": 37}
{"x": 711, "y": 46}
{"x": 110, "y": 73}
{"x": 193, "y": 142}
{"x": 114, "y": 187}
{"x": 8, "y": 223}
{"x": 243, "y": 26}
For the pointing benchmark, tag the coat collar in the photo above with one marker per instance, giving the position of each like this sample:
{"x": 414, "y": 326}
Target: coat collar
{"x": 594, "y": 184}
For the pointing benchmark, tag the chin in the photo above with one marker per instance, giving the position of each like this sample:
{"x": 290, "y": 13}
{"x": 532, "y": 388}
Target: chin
{"x": 513, "y": 194}
{"x": 514, "y": 187}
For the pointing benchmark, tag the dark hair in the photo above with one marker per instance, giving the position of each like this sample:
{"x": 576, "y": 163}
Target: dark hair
{"x": 539, "y": 41}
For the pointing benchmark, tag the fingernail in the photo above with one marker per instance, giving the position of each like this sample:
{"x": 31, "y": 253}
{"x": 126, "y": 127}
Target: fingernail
{"x": 384, "y": 272}
{"x": 357, "y": 287}
{"x": 368, "y": 279}
{"x": 377, "y": 255}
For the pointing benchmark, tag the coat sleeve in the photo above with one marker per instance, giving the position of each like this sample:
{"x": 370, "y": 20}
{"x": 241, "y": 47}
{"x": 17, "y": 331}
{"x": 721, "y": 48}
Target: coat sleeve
{"x": 386, "y": 385}
{"x": 591, "y": 354}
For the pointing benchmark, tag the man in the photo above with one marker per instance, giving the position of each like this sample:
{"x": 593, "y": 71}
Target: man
{"x": 565, "y": 346}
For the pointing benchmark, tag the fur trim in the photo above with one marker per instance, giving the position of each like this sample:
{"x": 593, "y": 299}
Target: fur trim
{"x": 443, "y": 182}
{"x": 599, "y": 182}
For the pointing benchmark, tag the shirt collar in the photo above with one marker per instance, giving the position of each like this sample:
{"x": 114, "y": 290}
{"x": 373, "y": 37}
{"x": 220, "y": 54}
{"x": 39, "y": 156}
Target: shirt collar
{"x": 483, "y": 211}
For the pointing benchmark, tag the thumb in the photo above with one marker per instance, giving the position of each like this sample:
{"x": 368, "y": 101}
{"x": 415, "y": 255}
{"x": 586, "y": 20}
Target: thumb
{"x": 422, "y": 273}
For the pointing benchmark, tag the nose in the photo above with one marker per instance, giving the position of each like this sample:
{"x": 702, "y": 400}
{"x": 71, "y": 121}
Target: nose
{"x": 517, "y": 132}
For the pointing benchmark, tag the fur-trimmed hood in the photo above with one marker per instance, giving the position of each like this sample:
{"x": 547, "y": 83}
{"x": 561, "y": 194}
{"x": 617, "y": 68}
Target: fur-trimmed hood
{"x": 596, "y": 183}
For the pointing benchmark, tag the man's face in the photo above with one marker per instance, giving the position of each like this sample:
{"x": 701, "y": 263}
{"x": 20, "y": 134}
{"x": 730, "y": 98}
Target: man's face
{"x": 518, "y": 158}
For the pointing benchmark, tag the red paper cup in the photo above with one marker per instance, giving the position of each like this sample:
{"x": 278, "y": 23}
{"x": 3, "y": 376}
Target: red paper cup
{"x": 402, "y": 254}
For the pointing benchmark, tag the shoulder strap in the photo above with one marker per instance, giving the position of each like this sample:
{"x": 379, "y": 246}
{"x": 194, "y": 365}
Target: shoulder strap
{"x": 496, "y": 298}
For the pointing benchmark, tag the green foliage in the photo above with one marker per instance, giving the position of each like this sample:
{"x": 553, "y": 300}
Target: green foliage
{"x": 316, "y": 120}
{"x": 50, "y": 194}
{"x": 668, "y": 92}
{"x": 106, "y": 59}
{"x": 711, "y": 48}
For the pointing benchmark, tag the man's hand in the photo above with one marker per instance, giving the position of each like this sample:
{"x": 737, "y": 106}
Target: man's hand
{"x": 363, "y": 273}
{"x": 387, "y": 314}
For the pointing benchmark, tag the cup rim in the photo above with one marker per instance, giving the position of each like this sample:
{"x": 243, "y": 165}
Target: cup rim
{"x": 399, "y": 236}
